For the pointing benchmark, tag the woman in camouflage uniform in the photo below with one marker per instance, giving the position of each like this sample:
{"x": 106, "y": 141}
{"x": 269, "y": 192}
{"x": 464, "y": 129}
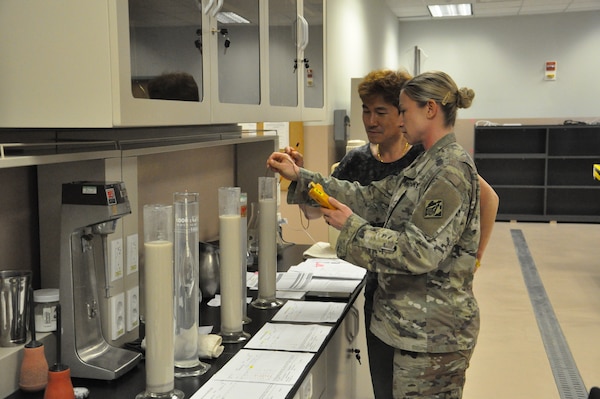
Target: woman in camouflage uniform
{"x": 387, "y": 153}
{"x": 425, "y": 253}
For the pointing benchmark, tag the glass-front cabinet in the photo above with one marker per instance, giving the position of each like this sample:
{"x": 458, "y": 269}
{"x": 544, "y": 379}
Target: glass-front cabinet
{"x": 165, "y": 38}
{"x": 296, "y": 54}
{"x": 236, "y": 51}
{"x": 263, "y": 64}
{"x": 164, "y": 65}
{"x": 313, "y": 93}
{"x": 104, "y": 63}
{"x": 285, "y": 38}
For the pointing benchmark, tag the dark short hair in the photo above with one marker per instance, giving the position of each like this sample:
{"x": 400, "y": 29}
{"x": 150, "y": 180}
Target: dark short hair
{"x": 385, "y": 83}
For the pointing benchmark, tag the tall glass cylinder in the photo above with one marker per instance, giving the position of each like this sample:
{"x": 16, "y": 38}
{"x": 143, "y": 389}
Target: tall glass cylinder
{"x": 244, "y": 253}
{"x": 230, "y": 270}
{"x": 158, "y": 290}
{"x": 186, "y": 282}
{"x": 267, "y": 244}
{"x": 253, "y": 234}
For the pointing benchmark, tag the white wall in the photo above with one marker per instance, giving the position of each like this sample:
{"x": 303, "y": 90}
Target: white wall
{"x": 362, "y": 35}
{"x": 503, "y": 60}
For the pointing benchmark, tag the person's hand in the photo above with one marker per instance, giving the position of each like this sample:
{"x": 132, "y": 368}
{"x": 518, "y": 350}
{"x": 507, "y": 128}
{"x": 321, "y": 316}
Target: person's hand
{"x": 336, "y": 217}
{"x": 283, "y": 164}
{"x": 296, "y": 156}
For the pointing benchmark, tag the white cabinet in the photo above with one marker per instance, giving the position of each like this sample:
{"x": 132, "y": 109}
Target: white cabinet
{"x": 341, "y": 358}
{"x": 68, "y": 64}
{"x": 56, "y": 67}
{"x": 88, "y": 63}
{"x": 334, "y": 373}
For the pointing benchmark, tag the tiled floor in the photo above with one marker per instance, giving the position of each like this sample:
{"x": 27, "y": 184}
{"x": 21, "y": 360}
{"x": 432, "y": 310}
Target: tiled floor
{"x": 510, "y": 360}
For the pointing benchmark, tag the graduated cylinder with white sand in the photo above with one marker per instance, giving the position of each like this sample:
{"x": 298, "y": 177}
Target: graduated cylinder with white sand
{"x": 230, "y": 272}
{"x": 158, "y": 290}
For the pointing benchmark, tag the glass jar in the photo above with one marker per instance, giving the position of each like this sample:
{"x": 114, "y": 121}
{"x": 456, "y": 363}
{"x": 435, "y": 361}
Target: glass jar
{"x": 45, "y": 301}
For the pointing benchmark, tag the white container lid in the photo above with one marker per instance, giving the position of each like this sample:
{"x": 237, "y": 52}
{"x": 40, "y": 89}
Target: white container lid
{"x": 46, "y": 295}
{"x": 352, "y": 144}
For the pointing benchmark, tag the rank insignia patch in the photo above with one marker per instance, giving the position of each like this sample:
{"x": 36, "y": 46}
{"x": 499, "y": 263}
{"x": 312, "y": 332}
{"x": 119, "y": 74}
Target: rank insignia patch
{"x": 433, "y": 209}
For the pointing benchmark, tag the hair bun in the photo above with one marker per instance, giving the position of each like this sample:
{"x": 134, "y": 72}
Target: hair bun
{"x": 465, "y": 97}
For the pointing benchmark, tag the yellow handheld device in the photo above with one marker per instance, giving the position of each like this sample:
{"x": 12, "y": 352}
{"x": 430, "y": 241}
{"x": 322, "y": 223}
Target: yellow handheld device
{"x": 317, "y": 193}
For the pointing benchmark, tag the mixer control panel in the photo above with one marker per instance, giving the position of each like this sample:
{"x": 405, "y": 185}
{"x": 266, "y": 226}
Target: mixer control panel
{"x": 94, "y": 193}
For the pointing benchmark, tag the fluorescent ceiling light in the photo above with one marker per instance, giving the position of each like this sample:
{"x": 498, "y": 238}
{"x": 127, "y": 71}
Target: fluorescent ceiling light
{"x": 228, "y": 17}
{"x": 450, "y": 10}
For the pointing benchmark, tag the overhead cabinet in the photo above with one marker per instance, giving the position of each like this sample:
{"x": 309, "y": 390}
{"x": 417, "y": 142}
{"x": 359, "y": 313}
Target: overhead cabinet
{"x": 541, "y": 173}
{"x": 89, "y": 63}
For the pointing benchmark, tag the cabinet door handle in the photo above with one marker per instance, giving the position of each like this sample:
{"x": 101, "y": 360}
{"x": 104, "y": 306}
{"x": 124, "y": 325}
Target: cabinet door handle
{"x": 352, "y": 330}
{"x": 217, "y": 8}
{"x": 208, "y": 6}
{"x": 304, "y": 29}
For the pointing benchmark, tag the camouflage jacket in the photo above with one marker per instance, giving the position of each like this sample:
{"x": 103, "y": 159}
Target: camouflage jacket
{"x": 425, "y": 251}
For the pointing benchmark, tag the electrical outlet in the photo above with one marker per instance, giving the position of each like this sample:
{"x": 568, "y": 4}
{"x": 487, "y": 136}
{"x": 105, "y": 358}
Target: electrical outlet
{"x": 133, "y": 308}
{"x": 117, "y": 316}
{"x": 306, "y": 388}
{"x": 132, "y": 253}
{"x": 116, "y": 259}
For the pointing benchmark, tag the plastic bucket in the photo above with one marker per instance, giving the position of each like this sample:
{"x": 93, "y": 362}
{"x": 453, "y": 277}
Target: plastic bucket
{"x": 14, "y": 306}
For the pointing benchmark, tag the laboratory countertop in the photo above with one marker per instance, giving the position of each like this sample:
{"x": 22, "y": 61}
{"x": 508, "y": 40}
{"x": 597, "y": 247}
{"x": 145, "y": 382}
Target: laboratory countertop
{"x": 134, "y": 381}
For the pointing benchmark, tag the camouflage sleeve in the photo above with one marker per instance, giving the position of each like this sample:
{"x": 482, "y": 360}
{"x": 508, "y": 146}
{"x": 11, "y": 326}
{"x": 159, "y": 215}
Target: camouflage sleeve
{"x": 361, "y": 199}
{"x": 420, "y": 232}
{"x": 298, "y": 190}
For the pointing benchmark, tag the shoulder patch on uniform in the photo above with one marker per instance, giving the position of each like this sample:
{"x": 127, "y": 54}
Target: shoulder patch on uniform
{"x": 434, "y": 209}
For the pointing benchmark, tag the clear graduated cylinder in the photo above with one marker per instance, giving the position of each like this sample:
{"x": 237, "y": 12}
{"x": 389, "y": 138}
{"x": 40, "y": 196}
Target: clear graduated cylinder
{"x": 230, "y": 269}
{"x": 252, "y": 233}
{"x": 187, "y": 294}
{"x": 244, "y": 253}
{"x": 267, "y": 244}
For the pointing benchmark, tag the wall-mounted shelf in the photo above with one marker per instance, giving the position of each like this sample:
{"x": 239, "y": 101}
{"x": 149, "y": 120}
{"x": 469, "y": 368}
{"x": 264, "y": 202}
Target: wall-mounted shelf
{"x": 14, "y": 155}
{"x": 59, "y": 146}
{"x": 541, "y": 173}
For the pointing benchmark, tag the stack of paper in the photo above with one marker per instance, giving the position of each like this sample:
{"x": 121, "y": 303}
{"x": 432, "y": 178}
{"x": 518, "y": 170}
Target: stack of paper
{"x": 323, "y": 277}
{"x": 290, "y": 281}
{"x": 331, "y": 277}
{"x": 330, "y": 268}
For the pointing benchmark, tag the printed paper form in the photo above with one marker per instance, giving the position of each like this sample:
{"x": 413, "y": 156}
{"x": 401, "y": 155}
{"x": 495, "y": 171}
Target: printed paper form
{"x": 289, "y": 337}
{"x": 272, "y": 367}
{"x": 256, "y": 374}
{"x": 310, "y": 312}
{"x": 216, "y": 389}
{"x": 330, "y": 268}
